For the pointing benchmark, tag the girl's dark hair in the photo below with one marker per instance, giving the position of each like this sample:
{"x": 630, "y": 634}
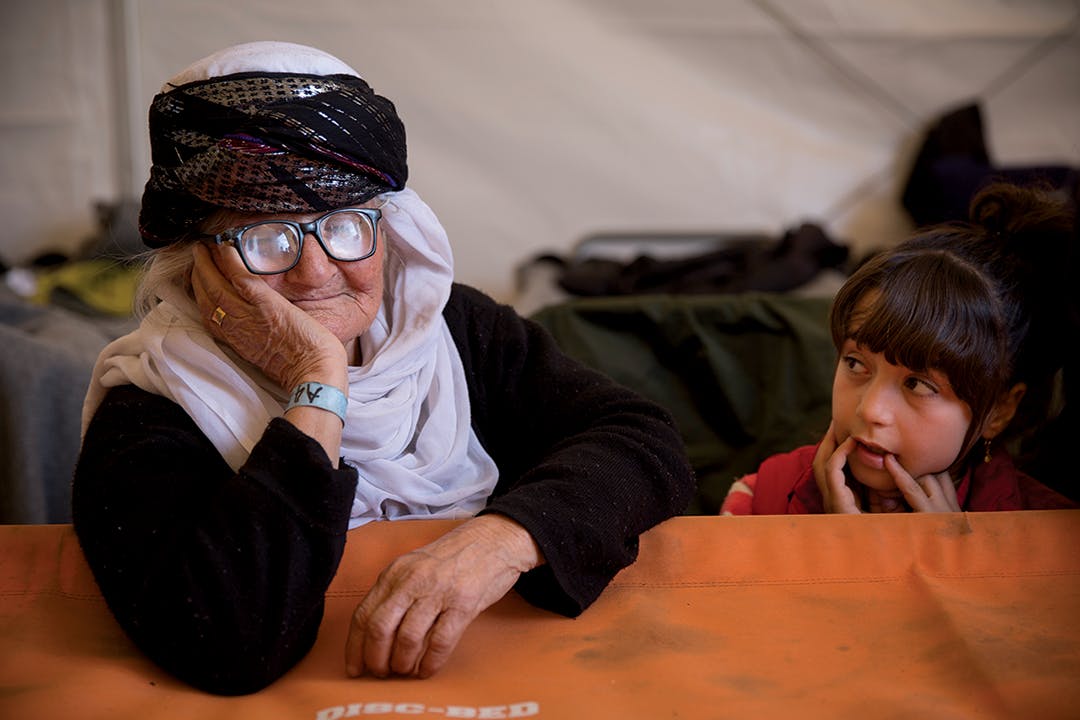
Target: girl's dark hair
{"x": 983, "y": 301}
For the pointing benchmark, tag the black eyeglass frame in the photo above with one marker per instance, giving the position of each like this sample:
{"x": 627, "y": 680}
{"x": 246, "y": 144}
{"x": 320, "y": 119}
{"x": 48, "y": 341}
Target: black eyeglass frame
{"x": 232, "y": 237}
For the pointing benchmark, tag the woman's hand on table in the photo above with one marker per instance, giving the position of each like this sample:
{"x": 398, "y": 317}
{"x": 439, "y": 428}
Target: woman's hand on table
{"x": 412, "y": 619}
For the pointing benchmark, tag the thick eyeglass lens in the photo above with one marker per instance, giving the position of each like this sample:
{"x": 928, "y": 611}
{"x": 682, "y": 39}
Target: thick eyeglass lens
{"x": 270, "y": 247}
{"x": 347, "y": 235}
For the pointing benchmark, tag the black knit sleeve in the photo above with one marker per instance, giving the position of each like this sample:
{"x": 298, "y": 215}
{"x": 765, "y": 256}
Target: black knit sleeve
{"x": 219, "y": 577}
{"x": 586, "y": 465}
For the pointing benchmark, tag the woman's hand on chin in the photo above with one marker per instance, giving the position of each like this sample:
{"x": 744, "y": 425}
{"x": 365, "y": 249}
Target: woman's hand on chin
{"x": 264, "y": 328}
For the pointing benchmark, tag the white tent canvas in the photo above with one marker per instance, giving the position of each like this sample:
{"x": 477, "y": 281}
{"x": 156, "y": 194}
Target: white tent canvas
{"x": 532, "y": 125}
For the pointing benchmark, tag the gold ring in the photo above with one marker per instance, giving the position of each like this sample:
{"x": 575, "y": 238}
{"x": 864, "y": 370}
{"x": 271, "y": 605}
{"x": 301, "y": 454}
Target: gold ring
{"x": 218, "y": 315}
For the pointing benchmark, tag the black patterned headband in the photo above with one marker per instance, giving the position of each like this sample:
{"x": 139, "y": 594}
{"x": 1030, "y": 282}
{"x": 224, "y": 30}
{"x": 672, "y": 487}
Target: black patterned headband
{"x": 267, "y": 143}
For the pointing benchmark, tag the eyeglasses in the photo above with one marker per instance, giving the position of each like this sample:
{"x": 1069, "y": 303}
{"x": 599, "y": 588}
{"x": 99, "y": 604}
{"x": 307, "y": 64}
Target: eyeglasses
{"x": 269, "y": 247}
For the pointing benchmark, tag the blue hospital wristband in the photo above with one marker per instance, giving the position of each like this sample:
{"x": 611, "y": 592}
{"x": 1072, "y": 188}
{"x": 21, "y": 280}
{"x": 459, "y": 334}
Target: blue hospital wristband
{"x": 324, "y": 397}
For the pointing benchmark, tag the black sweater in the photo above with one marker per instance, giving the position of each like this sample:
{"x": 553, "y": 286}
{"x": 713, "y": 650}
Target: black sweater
{"x": 220, "y": 577}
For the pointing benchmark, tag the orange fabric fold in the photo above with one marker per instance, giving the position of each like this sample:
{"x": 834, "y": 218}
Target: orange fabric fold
{"x": 815, "y": 616}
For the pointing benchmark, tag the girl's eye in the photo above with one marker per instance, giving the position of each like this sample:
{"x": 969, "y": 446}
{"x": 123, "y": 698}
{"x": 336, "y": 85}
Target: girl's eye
{"x": 921, "y": 386}
{"x": 853, "y": 364}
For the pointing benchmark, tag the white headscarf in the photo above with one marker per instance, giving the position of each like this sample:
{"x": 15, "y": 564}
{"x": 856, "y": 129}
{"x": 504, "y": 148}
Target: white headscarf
{"x": 408, "y": 428}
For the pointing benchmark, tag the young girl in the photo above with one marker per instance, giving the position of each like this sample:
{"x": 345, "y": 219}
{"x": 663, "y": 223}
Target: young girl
{"x": 949, "y": 346}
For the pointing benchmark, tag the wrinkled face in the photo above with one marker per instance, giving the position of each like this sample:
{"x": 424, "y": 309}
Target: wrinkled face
{"x": 343, "y": 296}
{"x": 891, "y": 409}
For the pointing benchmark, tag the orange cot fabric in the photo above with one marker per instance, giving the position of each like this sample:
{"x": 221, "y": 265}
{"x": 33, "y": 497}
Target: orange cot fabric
{"x": 944, "y": 616}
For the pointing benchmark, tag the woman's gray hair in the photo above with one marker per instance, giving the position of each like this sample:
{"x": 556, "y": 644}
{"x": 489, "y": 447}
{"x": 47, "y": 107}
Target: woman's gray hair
{"x": 170, "y": 265}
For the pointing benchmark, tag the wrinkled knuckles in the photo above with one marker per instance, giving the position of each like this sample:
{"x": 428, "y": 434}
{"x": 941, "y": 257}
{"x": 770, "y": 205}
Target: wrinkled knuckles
{"x": 442, "y": 642}
{"x": 380, "y": 632}
{"x": 359, "y": 619}
{"x": 407, "y": 645}
{"x": 404, "y": 662}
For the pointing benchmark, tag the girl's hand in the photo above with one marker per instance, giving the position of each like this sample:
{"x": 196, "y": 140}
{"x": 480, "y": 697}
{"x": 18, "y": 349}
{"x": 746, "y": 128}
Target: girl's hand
{"x": 829, "y": 462}
{"x": 264, "y": 328}
{"x": 933, "y": 492}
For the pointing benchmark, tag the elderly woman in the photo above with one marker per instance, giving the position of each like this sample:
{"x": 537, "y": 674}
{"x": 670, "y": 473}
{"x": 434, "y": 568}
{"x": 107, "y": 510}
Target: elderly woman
{"x": 305, "y": 364}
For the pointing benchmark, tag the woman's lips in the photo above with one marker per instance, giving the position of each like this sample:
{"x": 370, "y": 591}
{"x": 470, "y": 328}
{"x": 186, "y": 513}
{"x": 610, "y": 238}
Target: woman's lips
{"x": 312, "y": 303}
{"x": 297, "y": 301}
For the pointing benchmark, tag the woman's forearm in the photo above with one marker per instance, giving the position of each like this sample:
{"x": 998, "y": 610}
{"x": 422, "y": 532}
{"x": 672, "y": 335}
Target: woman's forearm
{"x": 219, "y": 577}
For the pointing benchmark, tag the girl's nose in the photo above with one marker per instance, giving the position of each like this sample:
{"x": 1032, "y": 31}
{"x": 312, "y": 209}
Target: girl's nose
{"x": 876, "y": 403}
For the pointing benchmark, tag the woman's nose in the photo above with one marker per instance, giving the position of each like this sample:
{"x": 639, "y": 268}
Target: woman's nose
{"x": 314, "y": 267}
